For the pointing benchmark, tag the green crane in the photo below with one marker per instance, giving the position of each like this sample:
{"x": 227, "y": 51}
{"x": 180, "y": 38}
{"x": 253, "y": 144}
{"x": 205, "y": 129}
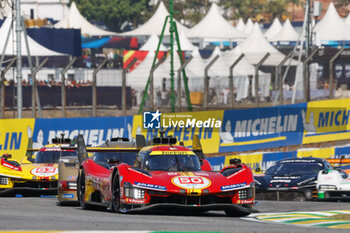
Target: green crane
{"x": 173, "y": 30}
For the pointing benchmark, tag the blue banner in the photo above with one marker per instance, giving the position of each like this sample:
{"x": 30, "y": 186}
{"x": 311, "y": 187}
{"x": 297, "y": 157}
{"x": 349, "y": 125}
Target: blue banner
{"x": 217, "y": 163}
{"x": 261, "y": 128}
{"x": 94, "y": 130}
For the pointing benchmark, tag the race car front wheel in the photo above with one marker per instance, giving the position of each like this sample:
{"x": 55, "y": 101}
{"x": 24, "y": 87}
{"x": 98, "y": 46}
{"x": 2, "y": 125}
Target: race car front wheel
{"x": 116, "y": 193}
{"x": 81, "y": 190}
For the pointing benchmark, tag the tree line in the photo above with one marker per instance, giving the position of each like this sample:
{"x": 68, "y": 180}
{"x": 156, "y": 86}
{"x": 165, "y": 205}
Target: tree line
{"x": 121, "y": 15}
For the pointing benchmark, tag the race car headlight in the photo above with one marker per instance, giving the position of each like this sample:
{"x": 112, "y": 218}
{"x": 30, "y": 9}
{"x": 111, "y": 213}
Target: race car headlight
{"x": 134, "y": 193}
{"x": 131, "y": 192}
{"x": 245, "y": 194}
{"x": 4, "y": 180}
{"x": 327, "y": 187}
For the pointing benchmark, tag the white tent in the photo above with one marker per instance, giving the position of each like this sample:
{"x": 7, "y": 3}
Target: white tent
{"x": 195, "y": 72}
{"x": 155, "y": 24}
{"x": 185, "y": 43}
{"x": 256, "y": 46}
{"x": 196, "y": 66}
{"x": 75, "y": 20}
{"x": 35, "y": 48}
{"x": 152, "y": 44}
{"x": 138, "y": 77}
{"x": 163, "y": 71}
{"x": 215, "y": 52}
{"x": 240, "y": 25}
{"x": 287, "y": 33}
{"x": 248, "y": 26}
{"x": 273, "y": 29}
{"x": 347, "y": 20}
{"x": 332, "y": 27}
{"x": 214, "y": 26}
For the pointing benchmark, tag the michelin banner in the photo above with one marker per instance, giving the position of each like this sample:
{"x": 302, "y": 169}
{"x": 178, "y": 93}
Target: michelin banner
{"x": 261, "y": 128}
{"x": 14, "y": 136}
{"x": 95, "y": 130}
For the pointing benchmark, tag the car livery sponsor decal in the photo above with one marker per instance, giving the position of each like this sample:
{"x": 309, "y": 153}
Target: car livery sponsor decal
{"x": 150, "y": 186}
{"x": 44, "y": 171}
{"x": 68, "y": 195}
{"x": 280, "y": 181}
{"x": 191, "y": 182}
{"x": 233, "y": 186}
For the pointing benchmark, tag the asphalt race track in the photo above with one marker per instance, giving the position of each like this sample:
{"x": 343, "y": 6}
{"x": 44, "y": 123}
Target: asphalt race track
{"x": 45, "y": 214}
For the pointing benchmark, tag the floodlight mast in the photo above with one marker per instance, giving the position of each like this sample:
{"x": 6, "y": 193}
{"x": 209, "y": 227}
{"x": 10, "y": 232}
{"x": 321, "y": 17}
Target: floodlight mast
{"x": 19, "y": 59}
{"x": 173, "y": 30}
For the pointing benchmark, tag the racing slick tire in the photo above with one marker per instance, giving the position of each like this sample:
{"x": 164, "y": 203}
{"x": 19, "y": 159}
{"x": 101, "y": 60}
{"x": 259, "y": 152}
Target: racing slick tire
{"x": 116, "y": 193}
{"x": 81, "y": 191}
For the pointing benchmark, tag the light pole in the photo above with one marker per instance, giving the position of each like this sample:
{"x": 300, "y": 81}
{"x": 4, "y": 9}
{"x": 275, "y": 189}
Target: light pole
{"x": 19, "y": 58}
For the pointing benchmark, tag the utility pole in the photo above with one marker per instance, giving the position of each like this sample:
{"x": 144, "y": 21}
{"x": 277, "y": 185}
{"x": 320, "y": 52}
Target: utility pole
{"x": 19, "y": 59}
{"x": 172, "y": 74}
{"x": 307, "y": 49}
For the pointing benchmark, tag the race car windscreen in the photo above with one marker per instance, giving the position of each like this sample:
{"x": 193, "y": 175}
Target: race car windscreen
{"x": 123, "y": 157}
{"x": 294, "y": 168}
{"x": 173, "y": 163}
{"x": 52, "y": 156}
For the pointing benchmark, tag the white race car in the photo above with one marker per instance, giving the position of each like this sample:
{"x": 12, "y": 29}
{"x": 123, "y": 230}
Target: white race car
{"x": 333, "y": 183}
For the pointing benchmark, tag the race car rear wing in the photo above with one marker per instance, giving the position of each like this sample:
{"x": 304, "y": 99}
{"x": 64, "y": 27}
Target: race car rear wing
{"x": 83, "y": 150}
{"x": 197, "y": 147}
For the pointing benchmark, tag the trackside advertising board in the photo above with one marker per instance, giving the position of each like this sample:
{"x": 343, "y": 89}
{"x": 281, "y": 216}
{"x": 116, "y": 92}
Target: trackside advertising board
{"x": 219, "y": 131}
{"x": 14, "y": 136}
{"x": 95, "y": 130}
{"x": 261, "y": 128}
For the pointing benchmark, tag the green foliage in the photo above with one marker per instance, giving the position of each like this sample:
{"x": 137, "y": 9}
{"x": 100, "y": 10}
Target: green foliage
{"x": 112, "y": 12}
{"x": 276, "y": 8}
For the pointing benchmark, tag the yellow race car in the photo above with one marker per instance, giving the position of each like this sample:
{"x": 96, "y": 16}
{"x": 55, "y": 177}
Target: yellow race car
{"x": 32, "y": 177}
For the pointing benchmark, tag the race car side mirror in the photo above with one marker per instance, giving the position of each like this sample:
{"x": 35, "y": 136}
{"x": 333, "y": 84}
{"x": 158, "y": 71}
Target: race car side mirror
{"x": 235, "y": 162}
{"x": 257, "y": 169}
{"x": 7, "y": 156}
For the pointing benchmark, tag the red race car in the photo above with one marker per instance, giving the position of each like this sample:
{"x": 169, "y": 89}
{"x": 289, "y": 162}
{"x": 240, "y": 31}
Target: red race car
{"x": 165, "y": 176}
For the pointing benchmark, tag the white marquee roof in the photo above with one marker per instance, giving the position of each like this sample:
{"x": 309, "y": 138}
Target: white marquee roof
{"x": 214, "y": 26}
{"x": 185, "y": 43}
{"x": 240, "y": 25}
{"x": 155, "y": 24}
{"x": 248, "y": 26}
{"x": 273, "y": 29}
{"x": 347, "y": 20}
{"x": 256, "y": 46}
{"x": 35, "y": 48}
{"x": 287, "y": 33}
{"x": 196, "y": 66}
{"x": 75, "y": 20}
{"x": 332, "y": 27}
{"x": 152, "y": 44}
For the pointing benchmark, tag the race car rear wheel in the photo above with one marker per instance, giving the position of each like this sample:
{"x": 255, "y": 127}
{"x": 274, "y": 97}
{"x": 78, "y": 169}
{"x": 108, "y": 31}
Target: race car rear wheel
{"x": 116, "y": 193}
{"x": 81, "y": 191}
{"x": 308, "y": 195}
